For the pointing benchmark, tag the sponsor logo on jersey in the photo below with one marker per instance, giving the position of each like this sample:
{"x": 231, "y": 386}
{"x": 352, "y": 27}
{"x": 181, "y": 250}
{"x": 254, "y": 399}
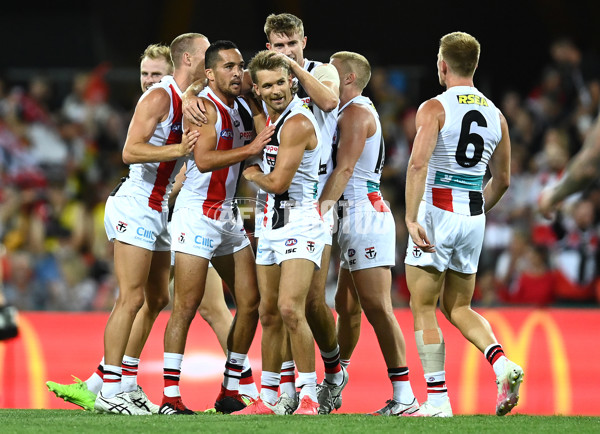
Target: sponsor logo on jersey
{"x": 176, "y": 127}
{"x": 416, "y": 252}
{"x": 227, "y": 134}
{"x": 351, "y": 252}
{"x": 145, "y": 233}
{"x": 246, "y": 135}
{"x": 472, "y": 99}
{"x": 291, "y": 242}
{"x": 271, "y": 160}
{"x": 370, "y": 252}
{"x": 272, "y": 149}
{"x": 310, "y": 246}
{"x": 121, "y": 226}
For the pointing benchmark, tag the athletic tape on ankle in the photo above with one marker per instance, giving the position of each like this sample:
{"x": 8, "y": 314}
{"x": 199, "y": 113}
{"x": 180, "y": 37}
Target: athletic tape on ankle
{"x": 433, "y": 356}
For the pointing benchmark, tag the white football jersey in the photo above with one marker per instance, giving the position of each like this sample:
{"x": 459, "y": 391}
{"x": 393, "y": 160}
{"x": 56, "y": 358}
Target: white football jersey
{"x": 464, "y": 146}
{"x": 154, "y": 181}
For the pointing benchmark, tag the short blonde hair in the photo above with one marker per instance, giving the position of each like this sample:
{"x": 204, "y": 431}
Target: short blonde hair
{"x": 182, "y": 44}
{"x": 356, "y": 63}
{"x": 460, "y": 51}
{"x": 267, "y": 60}
{"x": 156, "y": 52}
{"x": 287, "y": 24}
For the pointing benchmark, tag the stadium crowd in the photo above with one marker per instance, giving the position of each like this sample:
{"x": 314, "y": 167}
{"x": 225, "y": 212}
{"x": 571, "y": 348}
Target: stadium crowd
{"x": 60, "y": 156}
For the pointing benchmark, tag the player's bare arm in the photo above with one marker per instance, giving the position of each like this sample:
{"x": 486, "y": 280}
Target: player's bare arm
{"x": 580, "y": 172}
{"x": 152, "y": 109}
{"x": 193, "y": 106}
{"x": 208, "y": 158}
{"x": 297, "y": 135}
{"x": 429, "y": 121}
{"x": 500, "y": 169}
{"x": 323, "y": 87}
{"x": 355, "y": 125}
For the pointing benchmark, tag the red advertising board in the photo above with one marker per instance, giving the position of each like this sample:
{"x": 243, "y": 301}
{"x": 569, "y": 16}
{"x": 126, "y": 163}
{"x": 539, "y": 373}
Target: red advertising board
{"x": 557, "y": 348}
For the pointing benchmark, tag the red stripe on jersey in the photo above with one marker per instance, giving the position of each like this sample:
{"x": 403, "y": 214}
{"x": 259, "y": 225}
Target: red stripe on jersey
{"x": 442, "y": 198}
{"x": 377, "y": 202}
{"x": 165, "y": 169}
{"x": 217, "y": 188}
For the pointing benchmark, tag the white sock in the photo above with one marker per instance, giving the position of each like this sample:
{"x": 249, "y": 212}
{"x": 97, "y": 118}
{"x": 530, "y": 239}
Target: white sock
{"x": 307, "y": 383}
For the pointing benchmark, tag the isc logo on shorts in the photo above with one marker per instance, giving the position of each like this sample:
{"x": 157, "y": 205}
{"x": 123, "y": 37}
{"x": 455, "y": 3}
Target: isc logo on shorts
{"x": 227, "y": 134}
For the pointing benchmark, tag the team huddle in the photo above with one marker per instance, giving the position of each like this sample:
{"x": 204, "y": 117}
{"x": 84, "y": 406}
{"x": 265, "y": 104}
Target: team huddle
{"x": 301, "y": 133}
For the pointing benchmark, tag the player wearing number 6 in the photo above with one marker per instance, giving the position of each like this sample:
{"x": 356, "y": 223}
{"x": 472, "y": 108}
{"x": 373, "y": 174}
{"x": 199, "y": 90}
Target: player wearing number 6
{"x": 459, "y": 134}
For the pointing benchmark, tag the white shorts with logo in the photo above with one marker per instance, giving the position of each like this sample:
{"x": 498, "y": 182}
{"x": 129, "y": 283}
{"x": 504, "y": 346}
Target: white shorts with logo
{"x": 130, "y": 220}
{"x": 457, "y": 239}
{"x": 367, "y": 239}
{"x": 303, "y": 239}
{"x": 195, "y": 234}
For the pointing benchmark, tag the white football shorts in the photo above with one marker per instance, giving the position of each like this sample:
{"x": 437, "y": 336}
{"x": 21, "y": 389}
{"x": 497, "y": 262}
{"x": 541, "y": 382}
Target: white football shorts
{"x": 195, "y": 234}
{"x": 130, "y": 220}
{"x": 301, "y": 239}
{"x": 457, "y": 239}
{"x": 367, "y": 239}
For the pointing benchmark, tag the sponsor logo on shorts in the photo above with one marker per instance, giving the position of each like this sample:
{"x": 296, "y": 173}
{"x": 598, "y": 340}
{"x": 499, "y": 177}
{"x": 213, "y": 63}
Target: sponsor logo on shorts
{"x": 181, "y": 238}
{"x": 291, "y": 242}
{"x": 288, "y": 251}
{"x": 370, "y": 253}
{"x": 227, "y": 134}
{"x": 351, "y": 252}
{"x": 145, "y": 234}
{"x": 417, "y": 252}
{"x": 310, "y": 246}
{"x": 353, "y": 262}
{"x": 121, "y": 226}
{"x": 204, "y": 241}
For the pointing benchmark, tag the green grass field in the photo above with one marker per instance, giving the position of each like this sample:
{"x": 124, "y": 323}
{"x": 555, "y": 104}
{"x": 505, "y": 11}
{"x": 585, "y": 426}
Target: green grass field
{"x": 77, "y": 421}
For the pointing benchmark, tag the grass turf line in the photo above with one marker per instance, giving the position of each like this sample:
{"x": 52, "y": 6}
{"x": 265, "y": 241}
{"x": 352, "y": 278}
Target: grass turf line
{"x": 77, "y": 421}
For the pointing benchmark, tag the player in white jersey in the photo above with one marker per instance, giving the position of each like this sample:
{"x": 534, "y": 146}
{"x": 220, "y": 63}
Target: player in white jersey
{"x": 366, "y": 230}
{"x": 206, "y": 226}
{"x": 319, "y": 88}
{"x": 155, "y": 63}
{"x": 136, "y": 213}
{"x": 459, "y": 134}
{"x": 292, "y": 236}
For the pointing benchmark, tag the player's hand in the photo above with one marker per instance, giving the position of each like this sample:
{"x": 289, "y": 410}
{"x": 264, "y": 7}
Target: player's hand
{"x": 194, "y": 110}
{"x": 188, "y": 142}
{"x": 419, "y": 237}
{"x": 258, "y": 144}
{"x": 251, "y": 171}
{"x": 545, "y": 205}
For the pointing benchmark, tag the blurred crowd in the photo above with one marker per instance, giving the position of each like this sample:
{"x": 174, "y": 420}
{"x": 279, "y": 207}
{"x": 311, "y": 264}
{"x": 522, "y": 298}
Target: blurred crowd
{"x": 60, "y": 156}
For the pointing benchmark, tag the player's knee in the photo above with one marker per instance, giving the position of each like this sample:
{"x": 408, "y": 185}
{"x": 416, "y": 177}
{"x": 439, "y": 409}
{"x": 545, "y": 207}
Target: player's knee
{"x": 157, "y": 302}
{"x": 133, "y": 302}
{"x": 290, "y": 315}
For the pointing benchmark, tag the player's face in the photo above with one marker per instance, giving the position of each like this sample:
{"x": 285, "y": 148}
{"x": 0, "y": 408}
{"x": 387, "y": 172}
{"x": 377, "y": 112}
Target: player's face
{"x": 197, "y": 59}
{"x": 228, "y": 72}
{"x": 291, "y": 46}
{"x": 275, "y": 88}
{"x": 153, "y": 70}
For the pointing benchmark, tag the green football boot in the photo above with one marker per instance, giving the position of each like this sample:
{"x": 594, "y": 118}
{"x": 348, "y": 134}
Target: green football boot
{"x": 76, "y": 393}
